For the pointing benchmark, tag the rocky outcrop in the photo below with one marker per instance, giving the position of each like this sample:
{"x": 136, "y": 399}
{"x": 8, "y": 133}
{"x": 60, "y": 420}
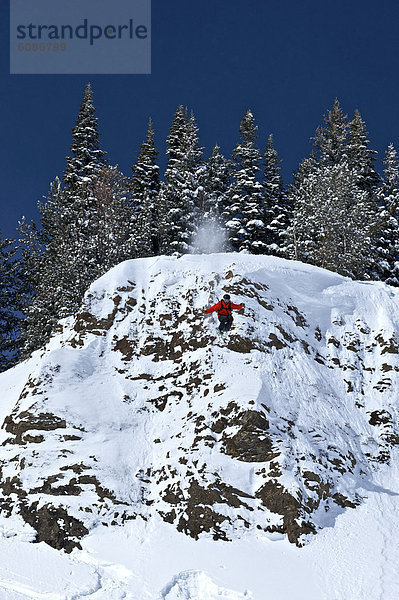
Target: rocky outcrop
{"x": 137, "y": 407}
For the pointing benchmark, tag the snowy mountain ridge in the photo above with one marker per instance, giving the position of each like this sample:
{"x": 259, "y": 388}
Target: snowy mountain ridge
{"x": 137, "y": 409}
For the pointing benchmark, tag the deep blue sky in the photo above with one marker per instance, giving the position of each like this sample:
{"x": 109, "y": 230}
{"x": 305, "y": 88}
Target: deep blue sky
{"x": 286, "y": 60}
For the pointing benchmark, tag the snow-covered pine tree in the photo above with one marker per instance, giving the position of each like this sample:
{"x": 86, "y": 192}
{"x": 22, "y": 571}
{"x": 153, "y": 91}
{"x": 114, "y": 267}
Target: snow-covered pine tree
{"x": 332, "y": 221}
{"x": 40, "y": 286}
{"x": 387, "y": 262}
{"x": 330, "y": 139}
{"x": 174, "y": 214}
{"x": 10, "y": 303}
{"x": 195, "y": 157}
{"x": 144, "y": 190}
{"x": 194, "y": 176}
{"x": 164, "y": 207}
{"x": 181, "y": 195}
{"x": 210, "y": 234}
{"x": 84, "y": 231}
{"x": 53, "y": 268}
{"x": 114, "y": 240}
{"x": 58, "y": 269}
{"x": 218, "y": 171}
{"x": 78, "y": 208}
{"x": 217, "y": 179}
{"x": 275, "y": 208}
{"x": 244, "y": 213}
{"x": 361, "y": 157}
{"x": 295, "y": 200}
{"x": 305, "y": 168}
{"x": 86, "y": 158}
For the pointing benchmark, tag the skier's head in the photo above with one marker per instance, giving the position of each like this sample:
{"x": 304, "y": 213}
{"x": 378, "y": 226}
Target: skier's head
{"x": 226, "y": 297}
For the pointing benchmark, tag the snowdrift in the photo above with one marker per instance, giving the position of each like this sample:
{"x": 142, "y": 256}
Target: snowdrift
{"x": 138, "y": 410}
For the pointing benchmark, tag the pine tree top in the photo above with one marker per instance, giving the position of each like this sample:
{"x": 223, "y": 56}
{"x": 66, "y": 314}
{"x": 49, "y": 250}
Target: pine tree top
{"x": 246, "y": 154}
{"x": 361, "y": 158}
{"x": 248, "y": 129}
{"x": 391, "y": 171}
{"x": 148, "y": 151}
{"x": 86, "y": 156}
{"x": 273, "y": 184}
{"x": 358, "y": 135}
{"x": 270, "y": 154}
{"x": 330, "y": 139}
{"x": 145, "y": 171}
{"x": 305, "y": 168}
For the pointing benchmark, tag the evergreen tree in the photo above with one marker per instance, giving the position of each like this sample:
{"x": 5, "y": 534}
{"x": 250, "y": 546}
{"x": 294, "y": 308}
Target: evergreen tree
{"x": 196, "y": 173}
{"x": 244, "y": 213}
{"x": 217, "y": 179}
{"x": 71, "y": 215}
{"x": 361, "y": 158}
{"x": 295, "y": 200}
{"x": 10, "y": 304}
{"x": 275, "y": 209}
{"x": 145, "y": 185}
{"x": 330, "y": 140}
{"x": 113, "y": 240}
{"x": 51, "y": 274}
{"x": 306, "y": 167}
{"x": 75, "y": 210}
{"x": 181, "y": 195}
{"x": 175, "y": 213}
{"x": 210, "y": 233}
{"x": 37, "y": 307}
{"x": 86, "y": 158}
{"x": 387, "y": 267}
{"x": 62, "y": 258}
{"x": 335, "y": 212}
{"x": 84, "y": 231}
{"x": 164, "y": 207}
{"x": 332, "y": 221}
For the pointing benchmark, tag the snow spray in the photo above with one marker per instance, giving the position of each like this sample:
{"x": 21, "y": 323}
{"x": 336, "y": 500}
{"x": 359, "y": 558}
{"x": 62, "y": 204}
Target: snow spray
{"x": 209, "y": 238}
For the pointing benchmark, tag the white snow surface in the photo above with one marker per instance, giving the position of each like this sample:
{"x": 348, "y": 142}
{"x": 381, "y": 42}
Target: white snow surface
{"x": 319, "y": 351}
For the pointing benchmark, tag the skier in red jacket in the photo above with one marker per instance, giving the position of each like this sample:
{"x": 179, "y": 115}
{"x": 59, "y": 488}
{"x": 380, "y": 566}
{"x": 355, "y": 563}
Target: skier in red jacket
{"x": 224, "y": 309}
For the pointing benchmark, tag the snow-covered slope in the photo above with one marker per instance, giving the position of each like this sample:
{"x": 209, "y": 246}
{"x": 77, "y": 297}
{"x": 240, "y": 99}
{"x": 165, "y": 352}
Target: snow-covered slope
{"x": 139, "y": 413}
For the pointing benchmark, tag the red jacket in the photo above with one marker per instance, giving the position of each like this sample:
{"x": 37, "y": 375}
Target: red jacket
{"x": 224, "y": 308}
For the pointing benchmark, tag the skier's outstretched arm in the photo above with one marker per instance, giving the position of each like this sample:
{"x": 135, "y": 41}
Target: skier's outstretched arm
{"x": 212, "y": 309}
{"x": 237, "y": 306}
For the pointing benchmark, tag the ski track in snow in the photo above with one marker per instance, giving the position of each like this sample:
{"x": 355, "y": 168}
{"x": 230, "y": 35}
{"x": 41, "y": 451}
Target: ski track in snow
{"x": 92, "y": 580}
